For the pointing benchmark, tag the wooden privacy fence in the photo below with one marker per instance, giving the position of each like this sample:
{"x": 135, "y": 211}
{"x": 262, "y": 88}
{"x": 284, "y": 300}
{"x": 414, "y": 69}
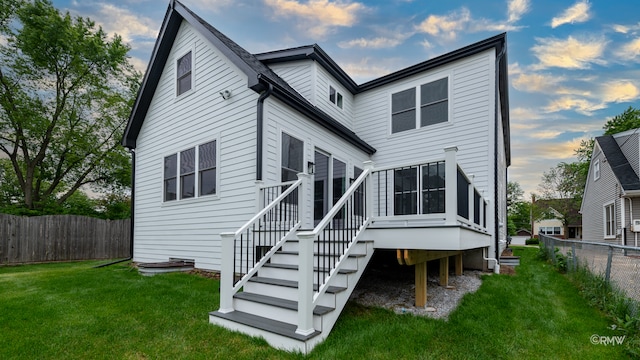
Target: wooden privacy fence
{"x": 61, "y": 238}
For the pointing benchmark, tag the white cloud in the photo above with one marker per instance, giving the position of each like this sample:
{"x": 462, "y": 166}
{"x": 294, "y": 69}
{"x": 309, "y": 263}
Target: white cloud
{"x": 446, "y": 26}
{"x": 620, "y": 91}
{"x": 570, "y": 103}
{"x": 517, "y": 8}
{"x": 571, "y": 53}
{"x": 115, "y": 20}
{"x": 532, "y": 82}
{"x": 630, "y": 50}
{"x": 375, "y": 43}
{"x": 579, "y": 12}
{"x": 319, "y": 17}
{"x": 365, "y": 71}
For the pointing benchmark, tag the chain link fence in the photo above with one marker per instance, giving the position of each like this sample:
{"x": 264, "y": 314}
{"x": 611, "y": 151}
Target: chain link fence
{"x": 619, "y": 265}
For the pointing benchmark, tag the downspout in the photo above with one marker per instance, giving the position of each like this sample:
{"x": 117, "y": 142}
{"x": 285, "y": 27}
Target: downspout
{"x": 132, "y": 151}
{"x": 495, "y": 168}
{"x": 259, "y": 130}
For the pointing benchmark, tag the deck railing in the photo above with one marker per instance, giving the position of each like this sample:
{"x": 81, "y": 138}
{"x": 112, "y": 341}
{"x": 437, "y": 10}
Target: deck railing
{"x": 253, "y": 244}
{"x": 436, "y": 189}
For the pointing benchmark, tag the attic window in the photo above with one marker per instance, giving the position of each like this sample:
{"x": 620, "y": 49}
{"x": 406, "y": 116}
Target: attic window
{"x": 183, "y": 73}
{"x": 335, "y": 97}
{"x": 596, "y": 170}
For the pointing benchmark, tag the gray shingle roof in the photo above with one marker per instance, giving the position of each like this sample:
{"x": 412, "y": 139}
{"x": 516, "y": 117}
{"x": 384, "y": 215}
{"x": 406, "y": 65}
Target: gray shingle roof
{"x": 619, "y": 163}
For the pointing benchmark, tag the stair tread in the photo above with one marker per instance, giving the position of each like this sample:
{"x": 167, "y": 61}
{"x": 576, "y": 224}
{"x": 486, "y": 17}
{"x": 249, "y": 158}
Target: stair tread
{"x": 295, "y": 267}
{"x": 293, "y": 284}
{"x": 283, "y": 303}
{"x": 266, "y": 324}
{"x": 288, "y": 252}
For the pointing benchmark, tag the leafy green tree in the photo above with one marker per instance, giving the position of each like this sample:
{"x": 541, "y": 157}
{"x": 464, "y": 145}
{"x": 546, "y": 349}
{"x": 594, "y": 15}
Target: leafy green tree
{"x": 66, "y": 91}
{"x": 562, "y": 188}
{"x": 629, "y": 119}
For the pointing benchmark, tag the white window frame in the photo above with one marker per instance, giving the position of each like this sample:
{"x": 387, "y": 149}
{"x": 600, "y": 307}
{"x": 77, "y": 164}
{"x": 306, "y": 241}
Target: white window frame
{"x": 609, "y": 209}
{"x": 417, "y": 85}
{"x": 338, "y": 98}
{"x": 179, "y": 56}
{"x": 178, "y": 188}
{"x": 596, "y": 169}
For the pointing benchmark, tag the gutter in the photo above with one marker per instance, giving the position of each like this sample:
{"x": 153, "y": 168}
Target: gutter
{"x": 132, "y": 151}
{"x": 496, "y": 144}
{"x": 259, "y": 130}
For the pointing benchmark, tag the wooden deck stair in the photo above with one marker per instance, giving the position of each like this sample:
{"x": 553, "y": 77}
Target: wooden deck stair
{"x": 268, "y": 307}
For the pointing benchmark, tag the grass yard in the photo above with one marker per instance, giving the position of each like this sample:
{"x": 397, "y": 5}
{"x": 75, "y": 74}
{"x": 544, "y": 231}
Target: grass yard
{"x": 73, "y": 311}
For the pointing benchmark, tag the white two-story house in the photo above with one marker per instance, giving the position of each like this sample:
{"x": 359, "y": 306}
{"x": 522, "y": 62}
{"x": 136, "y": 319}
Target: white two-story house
{"x": 282, "y": 173}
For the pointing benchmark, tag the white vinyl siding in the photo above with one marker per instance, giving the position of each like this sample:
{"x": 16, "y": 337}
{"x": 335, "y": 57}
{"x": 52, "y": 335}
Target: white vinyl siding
{"x": 190, "y": 228}
{"x": 299, "y": 75}
{"x": 471, "y": 126}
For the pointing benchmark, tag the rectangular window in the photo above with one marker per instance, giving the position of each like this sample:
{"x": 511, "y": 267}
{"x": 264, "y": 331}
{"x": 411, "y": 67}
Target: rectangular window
{"x": 609, "y": 221}
{"x": 332, "y": 94}
{"x": 183, "y": 73}
{"x": 187, "y": 173}
{"x": 433, "y": 107}
{"x": 170, "y": 171}
{"x": 405, "y": 191}
{"x": 433, "y": 188}
{"x": 434, "y": 104}
{"x": 596, "y": 170}
{"x": 403, "y": 110}
{"x": 556, "y": 230}
{"x": 292, "y": 157}
{"x": 207, "y": 168}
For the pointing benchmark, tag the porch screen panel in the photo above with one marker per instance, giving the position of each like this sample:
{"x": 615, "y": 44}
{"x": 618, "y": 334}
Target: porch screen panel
{"x": 463, "y": 196}
{"x": 405, "y": 191}
{"x": 476, "y": 207}
{"x": 433, "y": 185}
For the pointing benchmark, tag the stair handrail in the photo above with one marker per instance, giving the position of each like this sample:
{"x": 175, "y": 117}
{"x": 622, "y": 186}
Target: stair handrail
{"x": 227, "y": 274}
{"x": 326, "y": 220}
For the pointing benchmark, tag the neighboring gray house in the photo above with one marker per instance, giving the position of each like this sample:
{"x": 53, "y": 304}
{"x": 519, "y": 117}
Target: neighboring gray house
{"x": 281, "y": 172}
{"x": 611, "y": 200}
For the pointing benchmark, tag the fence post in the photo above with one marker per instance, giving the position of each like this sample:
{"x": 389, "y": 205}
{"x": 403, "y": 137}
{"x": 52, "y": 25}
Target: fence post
{"x": 574, "y": 266}
{"x": 450, "y": 185}
{"x": 227, "y": 272}
{"x": 305, "y": 283}
{"x": 607, "y": 274}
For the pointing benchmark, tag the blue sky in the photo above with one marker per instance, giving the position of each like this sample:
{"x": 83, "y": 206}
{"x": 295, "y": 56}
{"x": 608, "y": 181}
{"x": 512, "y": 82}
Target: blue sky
{"x": 572, "y": 64}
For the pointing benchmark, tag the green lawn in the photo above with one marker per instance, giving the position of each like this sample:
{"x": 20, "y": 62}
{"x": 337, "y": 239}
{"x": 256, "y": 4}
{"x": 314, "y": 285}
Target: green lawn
{"x": 73, "y": 311}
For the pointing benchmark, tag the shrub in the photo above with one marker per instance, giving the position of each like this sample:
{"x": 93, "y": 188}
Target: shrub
{"x": 532, "y": 241}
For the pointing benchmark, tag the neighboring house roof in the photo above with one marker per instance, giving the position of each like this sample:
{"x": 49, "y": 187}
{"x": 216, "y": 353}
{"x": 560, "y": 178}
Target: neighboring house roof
{"x": 523, "y": 232}
{"x": 261, "y": 77}
{"x": 618, "y": 163}
{"x": 575, "y": 218}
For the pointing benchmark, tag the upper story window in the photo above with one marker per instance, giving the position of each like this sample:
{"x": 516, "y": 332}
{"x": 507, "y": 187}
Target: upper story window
{"x": 433, "y": 106}
{"x": 596, "y": 170}
{"x": 335, "y": 97}
{"x": 197, "y": 170}
{"x": 184, "y": 67}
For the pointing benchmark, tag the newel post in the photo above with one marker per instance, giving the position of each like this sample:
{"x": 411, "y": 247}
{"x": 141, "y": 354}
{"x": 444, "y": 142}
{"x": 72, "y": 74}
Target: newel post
{"x": 305, "y": 283}
{"x": 226, "y": 272}
{"x": 305, "y": 212}
{"x": 368, "y": 200}
{"x": 451, "y": 185}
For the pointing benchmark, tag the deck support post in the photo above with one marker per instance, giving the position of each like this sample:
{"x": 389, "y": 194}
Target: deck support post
{"x": 421, "y": 284}
{"x": 305, "y": 283}
{"x": 444, "y": 271}
{"x": 458, "y": 260}
{"x": 450, "y": 185}
{"x": 226, "y": 272}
